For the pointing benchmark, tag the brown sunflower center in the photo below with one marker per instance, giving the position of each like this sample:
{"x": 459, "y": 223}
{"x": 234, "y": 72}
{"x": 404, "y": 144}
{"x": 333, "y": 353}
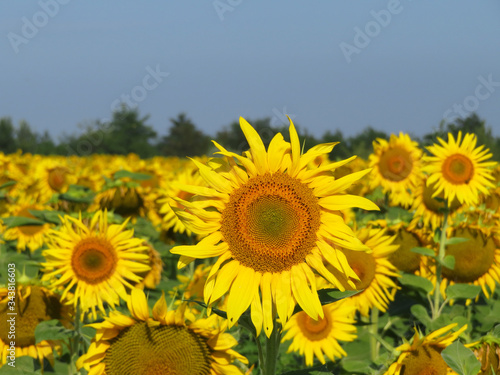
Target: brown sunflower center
{"x": 314, "y": 329}
{"x": 425, "y": 360}
{"x": 37, "y": 307}
{"x": 170, "y": 350}
{"x": 403, "y": 258}
{"x": 364, "y": 265}
{"x": 94, "y": 260}
{"x": 57, "y": 178}
{"x": 473, "y": 258}
{"x": 124, "y": 201}
{"x": 458, "y": 169}
{"x": 270, "y": 223}
{"x": 435, "y": 205}
{"x": 395, "y": 164}
{"x": 29, "y": 230}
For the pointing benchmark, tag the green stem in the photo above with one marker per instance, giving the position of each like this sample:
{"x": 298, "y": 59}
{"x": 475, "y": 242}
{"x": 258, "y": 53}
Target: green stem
{"x": 373, "y": 334}
{"x": 75, "y": 340}
{"x": 272, "y": 350}
{"x": 442, "y": 249}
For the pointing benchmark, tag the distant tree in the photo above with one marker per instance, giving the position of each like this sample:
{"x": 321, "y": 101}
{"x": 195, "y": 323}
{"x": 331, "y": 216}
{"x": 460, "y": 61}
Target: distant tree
{"x": 46, "y": 145}
{"x": 7, "y": 136}
{"x": 26, "y": 138}
{"x": 184, "y": 139}
{"x": 362, "y": 144}
{"x": 341, "y": 150}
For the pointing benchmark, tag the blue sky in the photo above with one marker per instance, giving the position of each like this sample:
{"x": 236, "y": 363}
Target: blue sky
{"x": 393, "y": 65}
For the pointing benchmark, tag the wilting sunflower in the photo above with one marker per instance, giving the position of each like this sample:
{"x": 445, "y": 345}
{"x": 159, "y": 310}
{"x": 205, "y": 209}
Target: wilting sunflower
{"x": 319, "y": 337}
{"x": 428, "y": 207}
{"x": 423, "y": 354}
{"x": 27, "y": 236}
{"x": 374, "y": 271}
{"x": 163, "y": 344}
{"x": 396, "y": 166}
{"x": 488, "y": 353}
{"x": 272, "y": 221}
{"x": 33, "y": 304}
{"x": 100, "y": 260}
{"x": 477, "y": 260}
{"x": 459, "y": 168}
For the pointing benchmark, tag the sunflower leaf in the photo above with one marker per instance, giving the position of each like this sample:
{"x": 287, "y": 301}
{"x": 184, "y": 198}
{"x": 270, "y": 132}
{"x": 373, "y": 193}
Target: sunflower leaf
{"x": 7, "y": 184}
{"x": 21, "y": 366}
{"x": 449, "y": 262}
{"x": 52, "y": 330}
{"x": 48, "y": 216}
{"x": 466, "y": 291}
{"x": 496, "y": 331}
{"x": 415, "y": 281}
{"x": 327, "y": 296}
{"x": 455, "y": 240}
{"x": 423, "y": 251}
{"x": 461, "y": 359}
{"x": 132, "y": 175}
{"x": 17, "y": 221}
{"x": 420, "y": 312}
{"x": 316, "y": 370}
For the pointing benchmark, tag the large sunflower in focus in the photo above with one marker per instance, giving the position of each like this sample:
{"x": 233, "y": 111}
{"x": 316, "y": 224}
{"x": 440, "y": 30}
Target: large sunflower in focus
{"x": 396, "y": 166}
{"x": 100, "y": 260}
{"x": 271, "y": 221}
{"x": 423, "y": 354}
{"x": 33, "y": 304}
{"x": 318, "y": 337}
{"x": 164, "y": 344}
{"x": 459, "y": 169}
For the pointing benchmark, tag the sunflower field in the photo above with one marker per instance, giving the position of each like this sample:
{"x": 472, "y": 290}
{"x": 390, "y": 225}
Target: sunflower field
{"x": 277, "y": 260}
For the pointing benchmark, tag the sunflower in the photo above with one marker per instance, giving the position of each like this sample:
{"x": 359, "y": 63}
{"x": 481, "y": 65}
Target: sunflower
{"x": 33, "y": 304}
{"x": 396, "y": 166}
{"x": 374, "y": 271}
{"x": 319, "y": 337}
{"x": 53, "y": 176}
{"x": 459, "y": 168}
{"x": 428, "y": 210}
{"x": 477, "y": 260}
{"x": 163, "y": 344}
{"x": 99, "y": 259}
{"x": 423, "y": 355}
{"x": 272, "y": 221}
{"x": 27, "y": 236}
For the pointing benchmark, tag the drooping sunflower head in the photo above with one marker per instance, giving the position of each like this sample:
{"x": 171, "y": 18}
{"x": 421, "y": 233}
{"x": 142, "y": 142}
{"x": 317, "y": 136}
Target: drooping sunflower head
{"x": 315, "y": 338}
{"x": 100, "y": 260}
{"x": 396, "y": 166}
{"x": 423, "y": 354}
{"x": 459, "y": 168}
{"x": 170, "y": 342}
{"x": 33, "y": 304}
{"x": 271, "y": 219}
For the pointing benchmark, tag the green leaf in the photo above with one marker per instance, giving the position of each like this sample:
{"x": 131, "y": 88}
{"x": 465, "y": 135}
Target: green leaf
{"x": 449, "y": 262}
{"x": 466, "y": 291}
{"x": 132, "y": 175}
{"x": 327, "y": 296}
{"x": 7, "y": 184}
{"x": 455, "y": 240}
{"x": 52, "y": 330}
{"x": 415, "y": 281}
{"x": 317, "y": 370}
{"x": 496, "y": 331}
{"x": 17, "y": 221}
{"x": 23, "y": 366}
{"x": 424, "y": 251}
{"x": 48, "y": 216}
{"x": 420, "y": 312}
{"x": 461, "y": 359}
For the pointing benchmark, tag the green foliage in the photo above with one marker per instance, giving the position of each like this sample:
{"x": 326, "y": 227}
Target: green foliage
{"x": 461, "y": 359}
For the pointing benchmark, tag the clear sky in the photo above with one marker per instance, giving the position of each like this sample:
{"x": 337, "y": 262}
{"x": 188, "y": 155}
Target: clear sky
{"x": 393, "y": 65}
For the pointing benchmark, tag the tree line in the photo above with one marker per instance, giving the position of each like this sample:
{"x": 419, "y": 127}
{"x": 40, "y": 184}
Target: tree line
{"x": 128, "y": 132}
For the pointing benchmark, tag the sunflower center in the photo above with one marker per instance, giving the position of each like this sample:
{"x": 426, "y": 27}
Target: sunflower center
{"x": 403, "y": 258}
{"x": 364, "y": 265}
{"x": 314, "y": 330}
{"x": 425, "y": 360}
{"x": 124, "y": 201}
{"x": 170, "y": 350}
{"x": 93, "y": 260}
{"x": 395, "y": 164}
{"x": 458, "y": 169}
{"x": 270, "y": 223}
{"x": 29, "y": 230}
{"x": 473, "y": 258}
{"x": 37, "y": 307}
{"x": 57, "y": 178}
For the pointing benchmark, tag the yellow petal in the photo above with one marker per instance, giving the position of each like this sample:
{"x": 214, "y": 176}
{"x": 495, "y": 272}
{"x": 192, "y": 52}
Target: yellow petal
{"x": 138, "y": 305}
{"x": 257, "y": 147}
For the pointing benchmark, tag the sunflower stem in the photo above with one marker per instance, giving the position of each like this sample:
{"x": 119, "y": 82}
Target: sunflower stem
{"x": 272, "y": 350}
{"x": 75, "y": 340}
{"x": 436, "y": 311}
{"x": 374, "y": 345}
